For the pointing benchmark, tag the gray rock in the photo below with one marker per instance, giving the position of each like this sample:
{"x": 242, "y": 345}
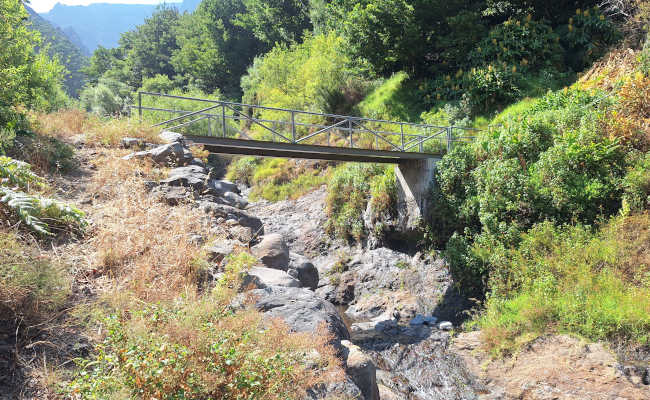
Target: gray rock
{"x": 170, "y": 137}
{"x": 445, "y": 326}
{"x": 228, "y": 212}
{"x": 172, "y": 154}
{"x": 430, "y": 320}
{"x": 129, "y": 143}
{"x": 273, "y": 252}
{"x": 191, "y": 176}
{"x": 346, "y": 389}
{"x": 218, "y": 251}
{"x": 220, "y": 187}
{"x": 235, "y": 200}
{"x": 303, "y": 270}
{"x": 418, "y": 320}
{"x": 174, "y": 195}
{"x": 301, "y": 309}
{"x": 261, "y": 278}
{"x": 361, "y": 370}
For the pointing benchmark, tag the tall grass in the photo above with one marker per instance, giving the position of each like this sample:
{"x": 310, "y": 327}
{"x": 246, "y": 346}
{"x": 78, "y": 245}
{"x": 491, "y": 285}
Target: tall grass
{"x": 572, "y": 280}
{"x": 90, "y": 128}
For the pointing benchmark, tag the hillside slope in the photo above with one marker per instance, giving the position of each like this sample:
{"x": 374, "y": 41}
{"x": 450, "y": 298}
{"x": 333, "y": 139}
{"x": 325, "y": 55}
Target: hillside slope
{"x": 68, "y": 48}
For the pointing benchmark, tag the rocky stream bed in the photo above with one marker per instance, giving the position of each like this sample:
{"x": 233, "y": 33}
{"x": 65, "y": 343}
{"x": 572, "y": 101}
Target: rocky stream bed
{"x": 392, "y": 313}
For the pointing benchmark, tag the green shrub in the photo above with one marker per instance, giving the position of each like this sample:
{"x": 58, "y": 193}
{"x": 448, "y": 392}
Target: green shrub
{"x": 107, "y": 97}
{"x": 276, "y": 179}
{"x": 636, "y": 184}
{"x": 45, "y": 153}
{"x": 348, "y": 194}
{"x": 201, "y": 349}
{"x": 587, "y": 37}
{"x": 524, "y": 43}
{"x": 489, "y": 87}
{"x": 40, "y": 214}
{"x": 242, "y": 169}
{"x": 569, "y": 280}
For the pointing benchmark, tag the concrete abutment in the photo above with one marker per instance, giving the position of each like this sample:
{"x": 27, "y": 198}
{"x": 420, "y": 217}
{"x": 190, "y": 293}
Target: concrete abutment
{"x": 415, "y": 182}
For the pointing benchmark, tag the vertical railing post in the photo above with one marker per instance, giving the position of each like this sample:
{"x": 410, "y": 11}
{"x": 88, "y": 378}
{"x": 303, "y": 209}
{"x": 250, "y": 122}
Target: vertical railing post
{"x": 449, "y": 138}
{"x": 401, "y": 126}
{"x": 140, "y": 106}
{"x": 209, "y": 126}
{"x": 421, "y": 147}
{"x": 293, "y": 126}
{"x": 223, "y": 119}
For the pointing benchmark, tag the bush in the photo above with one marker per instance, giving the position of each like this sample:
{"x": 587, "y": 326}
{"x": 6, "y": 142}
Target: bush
{"x": 347, "y": 197}
{"x": 587, "y": 37}
{"x": 524, "y": 43}
{"x": 40, "y": 214}
{"x": 276, "y": 179}
{"x": 489, "y": 87}
{"x": 199, "y": 349}
{"x": 570, "y": 280}
{"x": 636, "y": 184}
{"x": 45, "y": 154}
{"x": 106, "y": 98}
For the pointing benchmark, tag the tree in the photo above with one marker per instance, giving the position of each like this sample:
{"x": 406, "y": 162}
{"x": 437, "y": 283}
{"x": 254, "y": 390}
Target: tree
{"x": 26, "y": 78}
{"x": 275, "y": 21}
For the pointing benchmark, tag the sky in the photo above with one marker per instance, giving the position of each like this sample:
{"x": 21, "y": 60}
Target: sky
{"x": 41, "y": 6}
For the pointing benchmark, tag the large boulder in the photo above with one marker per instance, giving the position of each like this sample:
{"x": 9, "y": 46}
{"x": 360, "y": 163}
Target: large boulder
{"x": 273, "y": 252}
{"x": 221, "y": 187}
{"x": 301, "y": 309}
{"x": 171, "y": 154}
{"x": 303, "y": 270}
{"x": 170, "y": 137}
{"x": 361, "y": 369}
{"x": 261, "y": 278}
{"x": 192, "y": 176}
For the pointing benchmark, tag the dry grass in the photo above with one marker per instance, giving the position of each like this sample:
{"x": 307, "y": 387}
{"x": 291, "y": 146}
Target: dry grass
{"x": 147, "y": 273}
{"x": 73, "y": 123}
{"x": 142, "y": 245}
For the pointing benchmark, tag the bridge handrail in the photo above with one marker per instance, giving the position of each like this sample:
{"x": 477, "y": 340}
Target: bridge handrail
{"x": 219, "y": 102}
{"x": 354, "y": 124}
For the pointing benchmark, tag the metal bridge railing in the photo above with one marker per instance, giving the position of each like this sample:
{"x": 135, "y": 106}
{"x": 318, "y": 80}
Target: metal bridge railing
{"x": 253, "y": 122}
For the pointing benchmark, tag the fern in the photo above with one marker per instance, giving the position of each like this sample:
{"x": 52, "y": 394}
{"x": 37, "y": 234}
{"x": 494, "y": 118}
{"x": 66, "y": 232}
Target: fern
{"x": 42, "y": 214}
{"x": 18, "y": 173}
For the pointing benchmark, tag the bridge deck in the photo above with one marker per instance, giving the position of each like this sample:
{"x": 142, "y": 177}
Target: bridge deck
{"x": 291, "y": 150}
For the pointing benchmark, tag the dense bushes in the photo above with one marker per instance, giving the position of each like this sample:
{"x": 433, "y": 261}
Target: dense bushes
{"x": 570, "y": 279}
{"x": 549, "y": 163}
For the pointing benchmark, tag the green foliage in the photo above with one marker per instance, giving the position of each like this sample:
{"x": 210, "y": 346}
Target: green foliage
{"x": 587, "y": 36}
{"x": 43, "y": 215}
{"x": 107, "y": 97}
{"x": 31, "y": 286}
{"x": 57, "y": 44}
{"x": 300, "y": 76}
{"x": 392, "y": 99}
{"x": 276, "y": 179}
{"x": 571, "y": 280}
{"x": 275, "y": 21}
{"x": 636, "y": 184}
{"x": 348, "y": 194}
{"x": 524, "y": 43}
{"x": 26, "y": 78}
{"x": 40, "y": 214}
{"x": 195, "y": 348}
{"x": 548, "y": 163}
{"x": 18, "y": 173}
{"x": 46, "y": 154}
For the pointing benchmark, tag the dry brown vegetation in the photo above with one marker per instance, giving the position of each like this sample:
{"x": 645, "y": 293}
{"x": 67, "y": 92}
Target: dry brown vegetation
{"x": 94, "y": 130}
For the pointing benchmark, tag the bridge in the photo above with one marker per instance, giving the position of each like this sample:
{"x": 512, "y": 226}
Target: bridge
{"x": 237, "y": 128}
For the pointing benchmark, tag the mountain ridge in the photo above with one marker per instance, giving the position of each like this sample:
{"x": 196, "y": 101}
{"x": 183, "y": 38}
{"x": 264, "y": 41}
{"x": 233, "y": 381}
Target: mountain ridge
{"x": 101, "y": 24}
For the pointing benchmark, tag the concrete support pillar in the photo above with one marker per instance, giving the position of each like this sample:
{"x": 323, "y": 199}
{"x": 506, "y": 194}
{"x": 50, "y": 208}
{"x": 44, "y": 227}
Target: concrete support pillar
{"x": 415, "y": 180}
